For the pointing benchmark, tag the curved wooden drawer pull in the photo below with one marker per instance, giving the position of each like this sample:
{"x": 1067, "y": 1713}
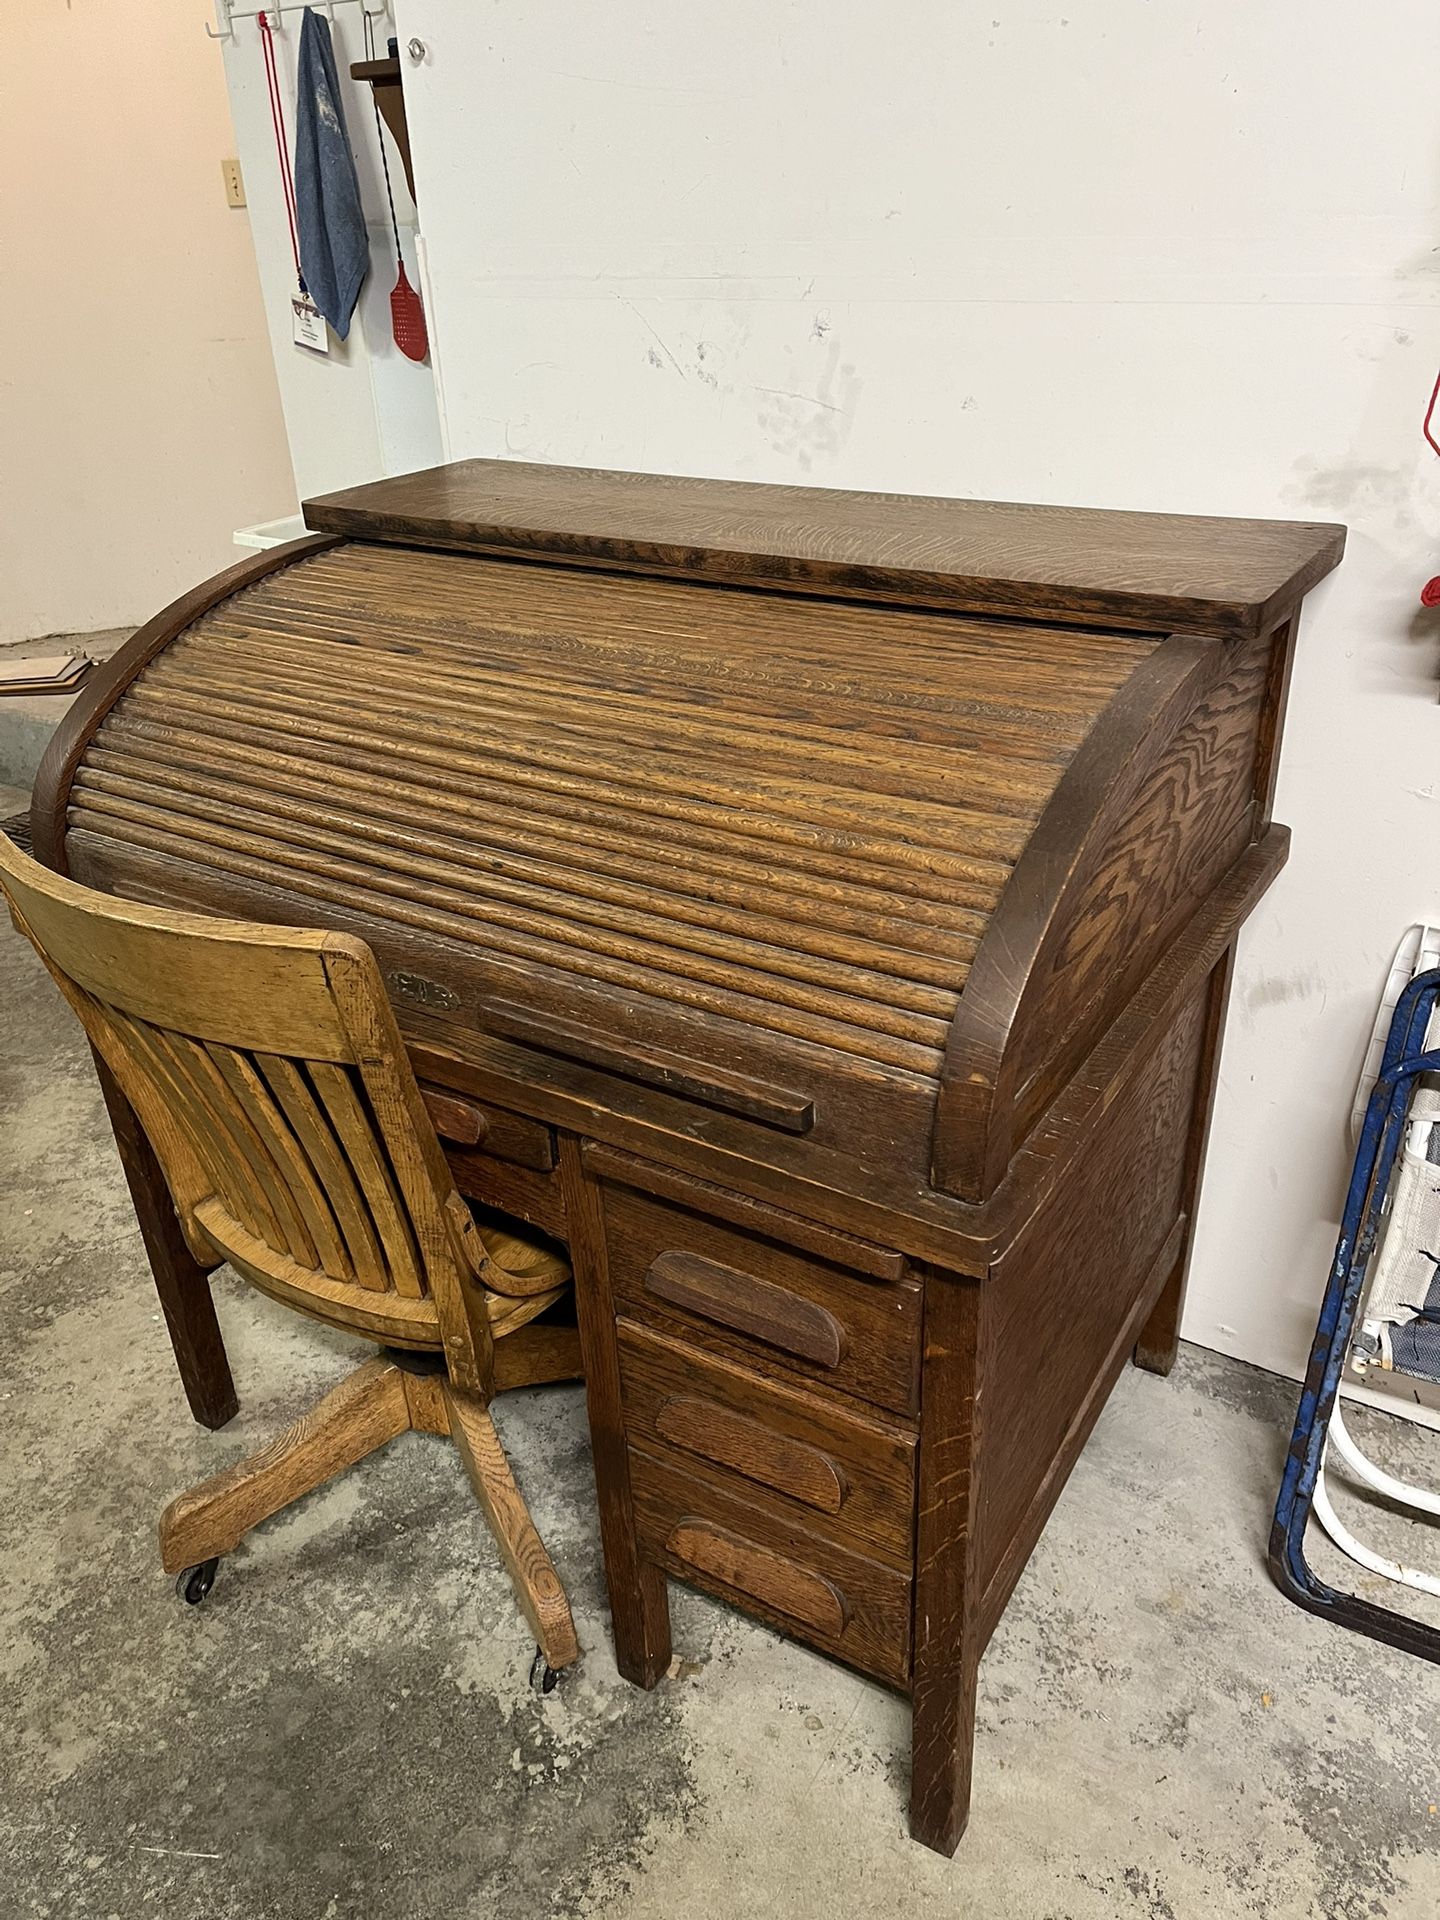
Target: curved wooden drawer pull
{"x": 454, "y": 1118}
{"x": 798, "y": 1592}
{"x": 749, "y": 1305}
{"x": 774, "y": 1459}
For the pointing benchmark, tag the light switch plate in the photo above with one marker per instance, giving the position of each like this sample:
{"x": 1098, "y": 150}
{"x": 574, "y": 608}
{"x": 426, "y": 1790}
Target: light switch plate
{"x": 234, "y": 183}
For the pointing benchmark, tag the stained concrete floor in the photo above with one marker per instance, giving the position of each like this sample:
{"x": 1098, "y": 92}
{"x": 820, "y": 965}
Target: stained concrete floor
{"x": 344, "y": 1729}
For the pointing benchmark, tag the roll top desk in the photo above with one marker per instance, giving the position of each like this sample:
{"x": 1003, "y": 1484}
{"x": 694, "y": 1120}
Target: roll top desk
{"x": 814, "y": 908}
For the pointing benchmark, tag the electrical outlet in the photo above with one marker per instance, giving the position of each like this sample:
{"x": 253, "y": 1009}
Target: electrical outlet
{"x": 234, "y": 183}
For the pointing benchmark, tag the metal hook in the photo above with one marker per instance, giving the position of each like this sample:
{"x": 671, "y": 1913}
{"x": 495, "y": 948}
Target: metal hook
{"x": 226, "y": 16}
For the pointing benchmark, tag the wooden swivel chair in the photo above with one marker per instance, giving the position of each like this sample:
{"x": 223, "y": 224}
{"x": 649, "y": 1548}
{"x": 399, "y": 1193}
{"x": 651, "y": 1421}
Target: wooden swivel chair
{"x": 267, "y": 1069}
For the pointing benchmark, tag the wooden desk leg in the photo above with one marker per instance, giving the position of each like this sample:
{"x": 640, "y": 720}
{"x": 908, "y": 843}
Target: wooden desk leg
{"x": 181, "y": 1282}
{"x": 1159, "y": 1341}
{"x": 639, "y": 1603}
{"x": 946, "y": 1632}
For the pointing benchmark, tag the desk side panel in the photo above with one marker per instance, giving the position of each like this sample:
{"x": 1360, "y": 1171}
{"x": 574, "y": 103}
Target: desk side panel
{"x": 1066, "y": 1303}
{"x": 1120, "y": 862}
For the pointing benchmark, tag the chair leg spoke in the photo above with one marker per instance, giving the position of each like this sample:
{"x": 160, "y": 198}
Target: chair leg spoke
{"x": 537, "y": 1585}
{"x": 362, "y": 1413}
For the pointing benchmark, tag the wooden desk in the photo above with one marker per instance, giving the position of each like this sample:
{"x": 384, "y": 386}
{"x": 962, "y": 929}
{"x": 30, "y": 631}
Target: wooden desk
{"x": 817, "y": 909}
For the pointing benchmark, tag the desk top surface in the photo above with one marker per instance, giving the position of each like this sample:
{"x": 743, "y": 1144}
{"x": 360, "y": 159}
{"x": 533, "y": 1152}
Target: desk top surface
{"x": 1171, "y": 572}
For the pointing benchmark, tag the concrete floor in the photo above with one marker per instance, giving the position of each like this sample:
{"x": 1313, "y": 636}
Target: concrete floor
{"x": 344, "y": 1729}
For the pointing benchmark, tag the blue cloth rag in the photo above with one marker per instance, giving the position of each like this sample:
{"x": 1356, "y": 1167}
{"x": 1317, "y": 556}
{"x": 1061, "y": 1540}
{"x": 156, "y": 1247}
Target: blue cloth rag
{"x": 334, "y": 246}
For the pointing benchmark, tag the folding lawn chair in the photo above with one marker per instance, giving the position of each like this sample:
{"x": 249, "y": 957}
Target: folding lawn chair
{"x": 1393, "y": 1205}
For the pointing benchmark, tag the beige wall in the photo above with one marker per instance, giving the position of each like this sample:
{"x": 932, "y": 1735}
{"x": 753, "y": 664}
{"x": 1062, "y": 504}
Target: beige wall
{"x": 139, "y": 418}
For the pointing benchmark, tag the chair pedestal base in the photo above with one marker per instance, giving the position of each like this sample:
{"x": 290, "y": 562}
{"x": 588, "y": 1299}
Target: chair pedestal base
{"x": 385, "y": 1397}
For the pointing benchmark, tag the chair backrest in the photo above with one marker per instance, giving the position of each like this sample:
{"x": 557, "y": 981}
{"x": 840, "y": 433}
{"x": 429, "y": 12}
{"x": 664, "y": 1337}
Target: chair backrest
{"x": 266, "y": 1067}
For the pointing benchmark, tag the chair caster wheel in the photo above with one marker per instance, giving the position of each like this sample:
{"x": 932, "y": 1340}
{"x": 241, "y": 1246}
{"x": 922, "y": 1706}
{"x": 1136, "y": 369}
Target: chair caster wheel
{"x": 194, "y": 1583}
{"x": 543, "y": 1677}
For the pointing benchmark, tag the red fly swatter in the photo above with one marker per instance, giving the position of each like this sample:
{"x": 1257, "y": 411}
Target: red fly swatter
{"x": 407, "y": 315}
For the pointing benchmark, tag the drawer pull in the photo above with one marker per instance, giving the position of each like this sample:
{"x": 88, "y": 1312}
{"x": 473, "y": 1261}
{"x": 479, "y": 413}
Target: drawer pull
{"x": 797, "y": 1592}
{"x": 654, "y": 1067}
{"x": 774, "y": 1459}
{"x": 749, "y": 1305}
{"x": 455, "y": 1119}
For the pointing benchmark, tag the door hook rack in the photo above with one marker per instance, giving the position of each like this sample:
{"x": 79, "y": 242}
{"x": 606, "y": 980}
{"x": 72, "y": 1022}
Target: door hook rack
{"x": 227, "y": 13}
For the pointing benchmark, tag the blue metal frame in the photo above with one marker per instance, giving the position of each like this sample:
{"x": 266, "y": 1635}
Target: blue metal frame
{"x": 1381, "y": 1138}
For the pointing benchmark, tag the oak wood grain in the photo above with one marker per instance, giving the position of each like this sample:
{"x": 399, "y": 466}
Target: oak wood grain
{"x": 991, "y": 1044}
{"x": 362, "y": 1413}
{"x": 720, "y": 1203}
{"x": 268, "y": 1074}
{"x": 799, "y": 1176}
{"x": 639, "y": 1608}
{"x": 833, "y": 1458}
{"x": 669, "y": 845}
{"x": 1098, "y": 1237}
{"x": 770, "y": 1306}
{"x": 777, "y": 1583}
{"x": 1156, "y": 570}
{"x": 538, "y": 1355}
{"x": 947, "y": 1641}
{"x": 713, "y": 1531}
{"x": 537, "y": 1585}
{"x": 1158, "y": 1345}
{"x": 455, "y": 1119}
{"x": 746, "y": 1304}
{"x": 51, "y": 792}
{"x": 729, "y": 1439}
{"x": 521, "y": 1192}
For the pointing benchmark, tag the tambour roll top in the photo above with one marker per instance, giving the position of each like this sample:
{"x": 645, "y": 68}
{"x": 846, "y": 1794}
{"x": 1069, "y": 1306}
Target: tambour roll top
{"x": 720, "y": 831}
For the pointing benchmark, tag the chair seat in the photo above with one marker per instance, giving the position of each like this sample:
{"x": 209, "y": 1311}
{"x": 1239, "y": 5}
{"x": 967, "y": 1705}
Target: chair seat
{"x": 540, "y": 1276}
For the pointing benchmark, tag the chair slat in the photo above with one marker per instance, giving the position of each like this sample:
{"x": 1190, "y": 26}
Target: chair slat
{"x": 189, "y": 1179}
{"x": 368, "y": 1158}
{"x": 289, "y": 1156}
{"x": 301, "y": 1108}
{"x": 253, "y": 1160}
{"x": 214, "y": 1149}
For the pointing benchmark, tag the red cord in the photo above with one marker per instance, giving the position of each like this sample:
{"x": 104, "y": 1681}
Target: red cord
{"x": 277, "y": 121}
{"x": 1430, "y": 415}
{"x": 1430, "y": 592}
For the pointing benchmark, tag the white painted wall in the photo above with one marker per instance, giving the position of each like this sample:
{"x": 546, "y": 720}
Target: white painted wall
{"x": 363, "y": 410}
{"x": 1110, "y": 253}
{"x": 139, "y": 422}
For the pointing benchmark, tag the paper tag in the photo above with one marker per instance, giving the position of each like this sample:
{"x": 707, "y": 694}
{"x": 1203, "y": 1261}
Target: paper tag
{"x": 309, "y": 324}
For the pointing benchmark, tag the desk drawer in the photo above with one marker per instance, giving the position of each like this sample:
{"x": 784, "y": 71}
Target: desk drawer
{"x": 464, "y": 1122}
{"x": 843, "y": 1474}
{"x": 750, "y": 1552}
{"x": 744, "y": 1295}
{"x": 502, "y": 1159}
{"x": 527, "y": 1195}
